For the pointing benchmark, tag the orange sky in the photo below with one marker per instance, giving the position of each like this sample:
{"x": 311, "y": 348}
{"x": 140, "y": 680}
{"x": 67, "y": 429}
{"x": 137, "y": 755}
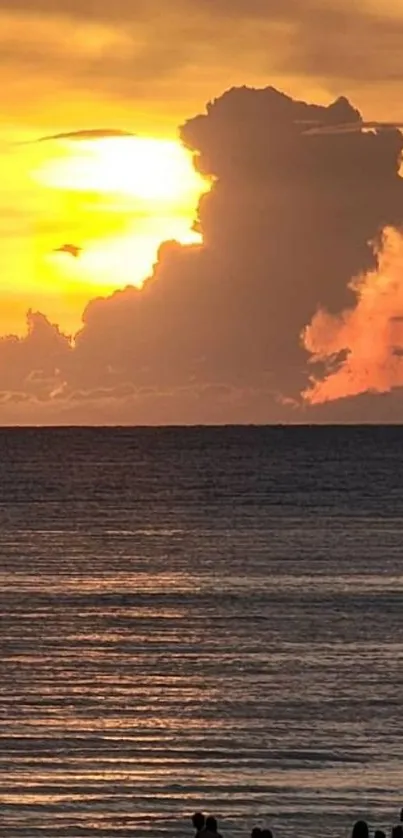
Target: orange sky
{"x": 144, "y": 68}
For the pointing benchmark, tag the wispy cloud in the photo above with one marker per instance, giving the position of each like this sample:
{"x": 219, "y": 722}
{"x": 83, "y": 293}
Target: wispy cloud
{"x": 353, "y": 128}
{"x": 87, "y": 134}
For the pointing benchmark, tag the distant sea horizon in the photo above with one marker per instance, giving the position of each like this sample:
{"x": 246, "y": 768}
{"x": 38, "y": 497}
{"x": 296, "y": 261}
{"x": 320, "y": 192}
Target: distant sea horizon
{"x": 130, "y": 425}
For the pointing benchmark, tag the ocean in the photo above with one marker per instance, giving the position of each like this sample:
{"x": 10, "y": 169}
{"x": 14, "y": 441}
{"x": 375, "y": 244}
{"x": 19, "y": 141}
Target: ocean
{"x": 200, "y": 618}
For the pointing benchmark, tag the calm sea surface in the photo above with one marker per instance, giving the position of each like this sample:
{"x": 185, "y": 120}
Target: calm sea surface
{"x": 200, "y": 618}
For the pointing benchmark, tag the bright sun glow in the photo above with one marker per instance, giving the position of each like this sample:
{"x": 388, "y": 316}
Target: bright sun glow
{"x": 151, "y": 169}
{"x": 117, "y": 199}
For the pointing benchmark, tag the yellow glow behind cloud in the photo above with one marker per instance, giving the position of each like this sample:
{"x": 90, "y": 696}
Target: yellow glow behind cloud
{"x": 117, "y": 198}
{"x": 145, "y": 168}
{"x": 126, "y": 196}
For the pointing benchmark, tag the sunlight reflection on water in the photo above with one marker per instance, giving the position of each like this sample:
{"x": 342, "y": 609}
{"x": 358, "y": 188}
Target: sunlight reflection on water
{"x": 162, "y": 653}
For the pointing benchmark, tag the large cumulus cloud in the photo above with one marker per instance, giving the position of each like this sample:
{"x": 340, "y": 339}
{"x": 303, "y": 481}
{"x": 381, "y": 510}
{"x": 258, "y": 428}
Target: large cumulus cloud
{"x": 216, "y": 332}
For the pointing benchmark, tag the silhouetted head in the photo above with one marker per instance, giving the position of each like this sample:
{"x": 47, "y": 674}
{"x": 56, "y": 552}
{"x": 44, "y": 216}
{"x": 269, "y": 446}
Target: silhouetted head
{"x": 256, "y": 832}
{"x": 397, "y": 831}
{"x": 266, "y": 833}
{"x": 198, "y": 820}
{"x": 379, "y": 833}
{"x": 360, "y": 830}
{"x": 211, "y": 824}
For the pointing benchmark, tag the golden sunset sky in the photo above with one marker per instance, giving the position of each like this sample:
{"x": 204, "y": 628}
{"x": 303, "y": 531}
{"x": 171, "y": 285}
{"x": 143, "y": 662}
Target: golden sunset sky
{"x": 92, "y": 97}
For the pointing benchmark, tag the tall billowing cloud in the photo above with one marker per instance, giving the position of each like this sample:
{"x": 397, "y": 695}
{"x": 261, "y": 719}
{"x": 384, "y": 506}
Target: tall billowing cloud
{"x": 216, "y": 330}
{"x": 285, "y": 227}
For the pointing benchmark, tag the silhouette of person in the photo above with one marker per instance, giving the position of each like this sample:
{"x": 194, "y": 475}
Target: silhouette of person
{"x": 256, "y": 832}
{"x": 199, "y": 823}
{"x": 397, "y": 831}
{"x": 360, "y": 830}
{"x": 401, "y": 814}
{"x": 379, "y": 833}
{"x": 266, "y": 833}
{"x": 211, "y": 828}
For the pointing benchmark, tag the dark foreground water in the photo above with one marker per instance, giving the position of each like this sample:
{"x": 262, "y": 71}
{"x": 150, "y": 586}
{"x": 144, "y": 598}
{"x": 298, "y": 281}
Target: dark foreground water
{"x": 200, "y": 618}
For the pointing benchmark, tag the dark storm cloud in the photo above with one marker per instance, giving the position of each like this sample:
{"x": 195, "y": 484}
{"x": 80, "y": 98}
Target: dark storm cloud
{"x": 350, "y": 128}
{"x": 286, "y": 226}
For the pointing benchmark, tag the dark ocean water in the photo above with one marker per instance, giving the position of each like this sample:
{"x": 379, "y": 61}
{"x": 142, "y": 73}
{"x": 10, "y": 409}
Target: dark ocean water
{"x": 200, "y": 618}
